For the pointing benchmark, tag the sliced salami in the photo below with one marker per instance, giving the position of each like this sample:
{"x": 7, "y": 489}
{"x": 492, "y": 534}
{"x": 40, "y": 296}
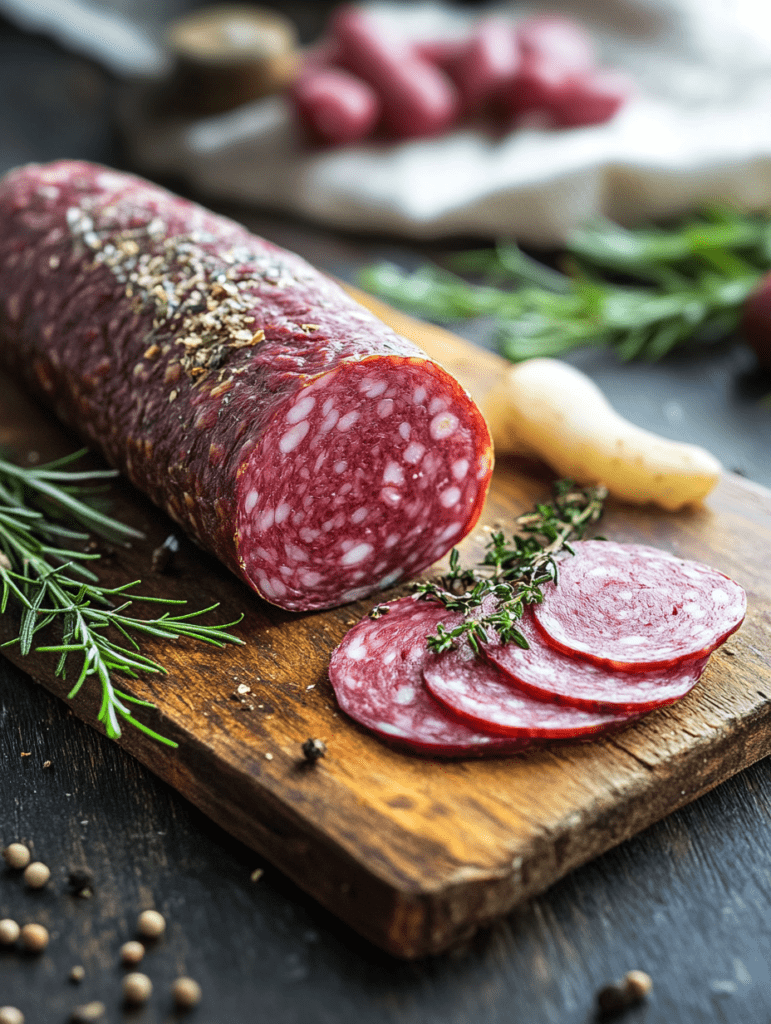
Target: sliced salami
{"x": 487, "y": 698}
{"x": 549, "y": 674}
{"x": 376, "y": 674}
{"x": 316, "y": 453}
{"x": 635, "y": 608}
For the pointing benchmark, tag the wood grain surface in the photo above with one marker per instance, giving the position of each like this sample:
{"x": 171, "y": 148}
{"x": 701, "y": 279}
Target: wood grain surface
{"x": 416, "y": 853}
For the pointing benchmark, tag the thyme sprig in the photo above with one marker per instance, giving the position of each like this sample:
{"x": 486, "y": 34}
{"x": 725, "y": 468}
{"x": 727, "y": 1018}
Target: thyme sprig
{"x": 492, "y": 596}
{"x": 48, "y": 578}
{"x": 641, "y": 292}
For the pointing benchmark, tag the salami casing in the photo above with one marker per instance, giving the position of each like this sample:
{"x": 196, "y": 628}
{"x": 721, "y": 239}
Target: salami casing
{"x": 376, "y": 674}
{"x": 319, "y": 455}
{"x": 635, "y": 608}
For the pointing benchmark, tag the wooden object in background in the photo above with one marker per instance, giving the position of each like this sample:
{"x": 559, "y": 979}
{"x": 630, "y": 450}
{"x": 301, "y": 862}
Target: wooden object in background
{"x": 230, "y": 54}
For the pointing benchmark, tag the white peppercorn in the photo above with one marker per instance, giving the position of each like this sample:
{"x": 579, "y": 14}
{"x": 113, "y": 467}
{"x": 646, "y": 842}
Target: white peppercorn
{"x": 17, "y": 856}
{"x": 132, "y": 952}
{"x": 34, "y": 938}
{"x": 151, "y": 924}
{"x": 137, "y": 988}
{"x": 633, "y": 988}
{"x": 88, "y": 1012}
{"x": 9, "y": 932}
{"x": 186, "y": 993}
{"x": 36, "y": 875}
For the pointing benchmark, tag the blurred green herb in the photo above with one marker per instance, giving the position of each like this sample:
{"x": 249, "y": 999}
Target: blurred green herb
{"x": 48, "y": 579}
{"x": 688, "y": 283}
{"x": 493, "y": 595}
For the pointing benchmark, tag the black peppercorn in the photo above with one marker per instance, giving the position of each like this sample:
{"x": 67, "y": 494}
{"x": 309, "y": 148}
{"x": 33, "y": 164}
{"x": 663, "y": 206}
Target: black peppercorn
{"x": 80, "y": 882}
{"x": 164, "y": 555}
{"x": 313, "y": 750}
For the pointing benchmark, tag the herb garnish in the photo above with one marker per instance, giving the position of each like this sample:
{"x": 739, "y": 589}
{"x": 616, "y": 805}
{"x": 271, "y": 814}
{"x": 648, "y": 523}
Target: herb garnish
{"x": 686, "y": 283}
{"x": 51, "y": 583}
{"x": 512, "y": 572}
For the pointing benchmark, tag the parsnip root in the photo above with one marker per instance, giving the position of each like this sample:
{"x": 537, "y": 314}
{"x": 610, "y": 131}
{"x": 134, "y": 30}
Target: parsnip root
{"x": 547, "y": 408}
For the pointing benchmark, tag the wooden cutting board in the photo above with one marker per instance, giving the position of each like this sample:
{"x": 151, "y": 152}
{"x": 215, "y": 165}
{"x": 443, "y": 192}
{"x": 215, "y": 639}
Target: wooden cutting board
{"x": 414, "y": 853}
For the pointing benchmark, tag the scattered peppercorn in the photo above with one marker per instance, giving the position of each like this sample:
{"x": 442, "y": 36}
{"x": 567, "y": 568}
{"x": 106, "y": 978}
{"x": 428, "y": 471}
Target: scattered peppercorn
{"x": 633, "y": 987}
{"x": 313, "y": 750}
{"x": 132, "y": 952}
{"x": 36, "y": 875}
{"x": 137, "y": 988}
{"x": 9, "y": 932}
{"x": 638, "y": 984}
{"x": 34, "y": 938}
{"x": 87, "y": 1013}
{"x": 80, "y": 882}
{"x": 17, "y": 856}
{"x": 151, "y": 924}
{"x": 10, "y": 1015}
{"x": 164, "y": 556}
{"x": 186, "y": 993}
{"x": 77, "y": 974}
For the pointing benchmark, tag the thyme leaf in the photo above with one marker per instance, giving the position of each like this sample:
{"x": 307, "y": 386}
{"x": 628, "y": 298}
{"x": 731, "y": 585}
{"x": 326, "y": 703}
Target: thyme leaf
{"x": 49, "y": 581}
{"x": 492, "y": 596}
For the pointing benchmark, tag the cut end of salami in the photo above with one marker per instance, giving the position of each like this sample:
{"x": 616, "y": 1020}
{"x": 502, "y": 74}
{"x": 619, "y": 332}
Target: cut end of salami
{"x": 635, "y": 608}
{"x": 319, "y": 455}
{"x": 369, "y": 474}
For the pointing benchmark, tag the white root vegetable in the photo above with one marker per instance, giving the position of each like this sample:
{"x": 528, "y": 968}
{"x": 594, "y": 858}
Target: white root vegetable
{"x": 547, "y": 408}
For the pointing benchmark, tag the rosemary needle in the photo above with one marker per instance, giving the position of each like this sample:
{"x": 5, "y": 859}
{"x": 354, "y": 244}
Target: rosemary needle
{"x": 680, "y": 284}
{"x": 493, "y": 595}
{"x": 49, "y": 580}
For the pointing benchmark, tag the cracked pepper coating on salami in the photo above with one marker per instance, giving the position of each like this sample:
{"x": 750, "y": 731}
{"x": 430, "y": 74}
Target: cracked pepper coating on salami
{"x": 550, "y": 674}
{"x": 487, "y": 698}
{"x": 635, "y": 608}
{"x": 376, "y": 674}
{"x": 316, "y": 453}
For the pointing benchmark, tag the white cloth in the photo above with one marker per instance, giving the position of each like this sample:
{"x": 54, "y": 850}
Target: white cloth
{"x": 699, "y": 130}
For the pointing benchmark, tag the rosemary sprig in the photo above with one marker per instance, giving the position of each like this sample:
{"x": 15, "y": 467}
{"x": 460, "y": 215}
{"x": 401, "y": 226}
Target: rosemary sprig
{"x": 493, "y": 595}
{"x": 688, "y": 283}
{"x": 49, "y": 580}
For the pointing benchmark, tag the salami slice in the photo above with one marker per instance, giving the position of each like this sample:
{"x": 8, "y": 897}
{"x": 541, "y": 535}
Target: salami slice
{"x": 376, "y": 674}
{"x": 635, "y": 608}
{"x": 550, "y": 674}
{"x": 487, "y": 698}
{"x": 319, "y": 455}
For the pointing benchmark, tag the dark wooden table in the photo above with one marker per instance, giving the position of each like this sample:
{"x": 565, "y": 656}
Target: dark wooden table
{"x": 688, "y": 901}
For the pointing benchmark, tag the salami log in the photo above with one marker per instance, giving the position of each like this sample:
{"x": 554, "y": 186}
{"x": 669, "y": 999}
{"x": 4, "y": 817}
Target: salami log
{"x": 635, "y": 608}
{"x": 376, "y": 674}
{"x": 319, "y": 455}
{"x": 550, "y": 674}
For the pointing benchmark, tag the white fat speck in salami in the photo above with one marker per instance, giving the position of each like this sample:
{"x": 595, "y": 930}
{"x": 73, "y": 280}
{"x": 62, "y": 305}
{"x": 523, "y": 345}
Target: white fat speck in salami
{"x": 659, "y": 626}
{"x": 550, "y": 674}
{"x": 376, "y": 674}
{"x": 300, "y": 409}
{"x": 487, "y": 698}
{"x": 347, "y": 421}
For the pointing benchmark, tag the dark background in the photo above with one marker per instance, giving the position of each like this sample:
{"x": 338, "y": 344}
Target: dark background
{"x": 687, "y": 901}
